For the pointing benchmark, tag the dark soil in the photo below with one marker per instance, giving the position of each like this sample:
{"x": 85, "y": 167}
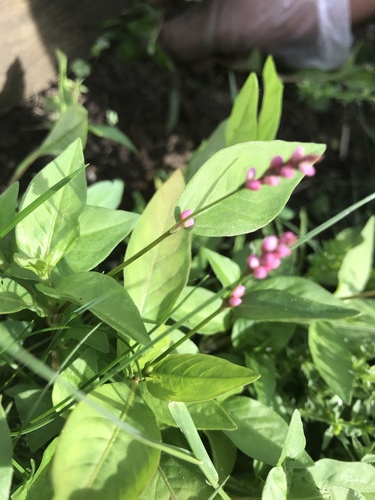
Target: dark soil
{"x": 141, "y": 93}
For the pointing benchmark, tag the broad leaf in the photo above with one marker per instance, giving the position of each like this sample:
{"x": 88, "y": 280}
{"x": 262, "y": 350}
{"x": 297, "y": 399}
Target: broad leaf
{"x": 14, "y": 297}
{"x": 47, "y": 234}
{"x": 196, "y": 377}
{"x": 193, "y": 298}
{"x": 224, "y": 173}
{"x": 276, "y": 305}
{"x": 226, "y": 271}
{"x": 6, "y": 469}
{"x": 276, "y": 486}
{"x": 332, "y": 358}
{"x": 261, "y": 431}
{"x": 71, "y": 125}
{"x": 155, "y": 280}
{"x": 105, "y": 298}
{"x": 101, "y": 230}
{"x": 106, "y": 194}
{"x": 242, "y": 123}
{"x": 357, "y": 264}
{"x": 95, "y": 459}
{"x": 270, "y": 113}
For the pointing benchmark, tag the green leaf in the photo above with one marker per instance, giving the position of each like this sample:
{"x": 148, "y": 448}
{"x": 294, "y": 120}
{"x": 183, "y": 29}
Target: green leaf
{"x": 106, "y": 194}
{"x": 208, "y": 415}
{"x": 39, "y": 487}
{"x": 225, "y": 269}
{"x": 261, "y": 431}
{"x": 14, "y": 297}
{"x": 276, "y": 486}
{"x": 295, "y": 441}
{"x": 190, "y": 299}
{"x": 263, "y": 364}
{"x": 8, "y": 204}
{"x": 71, "y": 125}
{"x": 105, "y": 298}
{"x": 261, "y": 335}
{"x": 245, "y": 211}
{"x": 95, "y": 459}
{"x": 6, "y": 469}
{"x": 357, "y": 264}
{"x": 196, "y": 377}
{"x": 47, "y": 234}
{"x": 332, "y": 358}
{"x": 113, "y": 134}
{"x": 155, "y": 280}
{"x": 223, "y": 452}
{"x": 101, "y": 230}
{"x": 270, "y": 113}
{"x": 275, "y": 305}
{"x": 242, "y": 123}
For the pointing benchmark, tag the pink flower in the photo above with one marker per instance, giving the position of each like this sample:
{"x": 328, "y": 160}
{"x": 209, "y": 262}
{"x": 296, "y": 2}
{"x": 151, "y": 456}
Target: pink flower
{"x": 235, "y": 297}
{"x": 260, "y": 273}
{"x": 234, "y": 301}
{"x": 306, "y": 168}
{"x": 253, "y": 261}
{"x": 298, "y": 154}
{"x": 253, "y": 185}
{"x": 287, "y": 171}
{"x": 270, "y": 243}
{"x": 276, "y": 163}
{"x": 270, "y": 261}
{"x": 288, "y": 238}
{"x": 272, "y": 180}
{"x": 184, "y": 215}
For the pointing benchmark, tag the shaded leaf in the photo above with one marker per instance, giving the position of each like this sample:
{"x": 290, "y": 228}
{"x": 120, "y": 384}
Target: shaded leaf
{"x": 276, "y": 485}
{"x": 114, "y": 134}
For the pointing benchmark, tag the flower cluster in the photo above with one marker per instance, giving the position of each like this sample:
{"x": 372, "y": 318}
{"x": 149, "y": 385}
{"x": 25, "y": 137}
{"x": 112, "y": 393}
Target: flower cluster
{"x": 273, "y": 249}
{"x": 279, "y": 169}
{"x": 235, "y": 299}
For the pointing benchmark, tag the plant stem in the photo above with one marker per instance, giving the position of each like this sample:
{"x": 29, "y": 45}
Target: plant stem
{"x": 24, "y": 165}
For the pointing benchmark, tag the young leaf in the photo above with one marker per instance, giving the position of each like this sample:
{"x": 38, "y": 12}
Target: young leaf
{"x": 155, "y": 280}
{"x": 224, "y": 268}
{"x": 101, "y": 230}
{"x": 6, "y": 470}
{"x": 270, "y": 113}
{"x": 113, "y": 134}
{"x": 276, "y": 305}
{"x": 261, "y": 431}
{"x": 105, "y": 298}
{"x": 189, "y": 300}
{"x": 242, "y": 123}
{"x": 295, "y": 441}
{"x": 197, "y": 377}
{"x": 14, "y": 297}
{"x": 332, "y": 358}
{"x": 357, "y": 264}
{"x": 95, "y": 459}
{"x": 47, "y": 234}
{"x": 106, "y": 194}
{"x": 276, "y": 485}
{"x": 245, "y": 211}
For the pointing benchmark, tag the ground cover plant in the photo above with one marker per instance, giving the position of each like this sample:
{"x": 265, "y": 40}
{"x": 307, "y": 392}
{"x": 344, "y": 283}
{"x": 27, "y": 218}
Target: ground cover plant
{"x": 200, "y": 329}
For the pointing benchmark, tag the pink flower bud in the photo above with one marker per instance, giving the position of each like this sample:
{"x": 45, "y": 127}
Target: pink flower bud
{"x": 254, "y": 185}
{"x": 272, "y": 180}
{"x": 287, "y": 171}
{"x": 234, "y": 301}
{"x": 306, "y": 168}
{"x": 260, "y": 273}
{"x": 288, "y": 238}
{"x": 270, "y": 261}
{"x": 270, "y": 243}
{"x": 238, "y": 291}
{"x": 283, "y": 251}
{"x": 251, "y": 173}
{"x": 298, "y": 154}
{"x": 189, "y": 222}
{"x": 253, "y": 261}
{"x": 276, "y": 163}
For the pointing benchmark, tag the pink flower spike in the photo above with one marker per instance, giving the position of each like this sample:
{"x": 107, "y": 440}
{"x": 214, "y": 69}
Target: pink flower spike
{"x": 234, "y": 301}
{"x": 288, "y": 238}
{"x": 287, "y": 171}
{"x": 270, "y": 243}
{"x": 251, "y": 173}
{"x": 276, "y": 163}
{"x": 298, "y": 154}
{"x": 253, "y": 261}
{"x": 283, "y": 251}
{"x": 260, "y": 273}
{"x": 238, "y": 291}
{"x": 306, "y": 168}
{"x": 270, "y": 261}
{"x": 189, "y": 222}
{"x": 254, "y": 185}
{"x": 272, "y": 180}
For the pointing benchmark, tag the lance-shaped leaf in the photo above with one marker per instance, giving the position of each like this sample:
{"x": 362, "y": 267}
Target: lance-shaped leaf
{"x": 270, "y": 113}
{"x": 47, "y": 234}
{"x": 105, "y": 298}
{"x": 332, "y": 357}
{"x": 196, "y": 377}
{"x": 245, "y": 211}
{"x": 101, "y": 229}
{"x": 95, "y": 459}
{"x": 155, "y": 280}
{"x": 276, "y": 305}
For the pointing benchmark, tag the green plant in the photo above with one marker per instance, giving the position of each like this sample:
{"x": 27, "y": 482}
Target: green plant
{"x": 123, "y": 373}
